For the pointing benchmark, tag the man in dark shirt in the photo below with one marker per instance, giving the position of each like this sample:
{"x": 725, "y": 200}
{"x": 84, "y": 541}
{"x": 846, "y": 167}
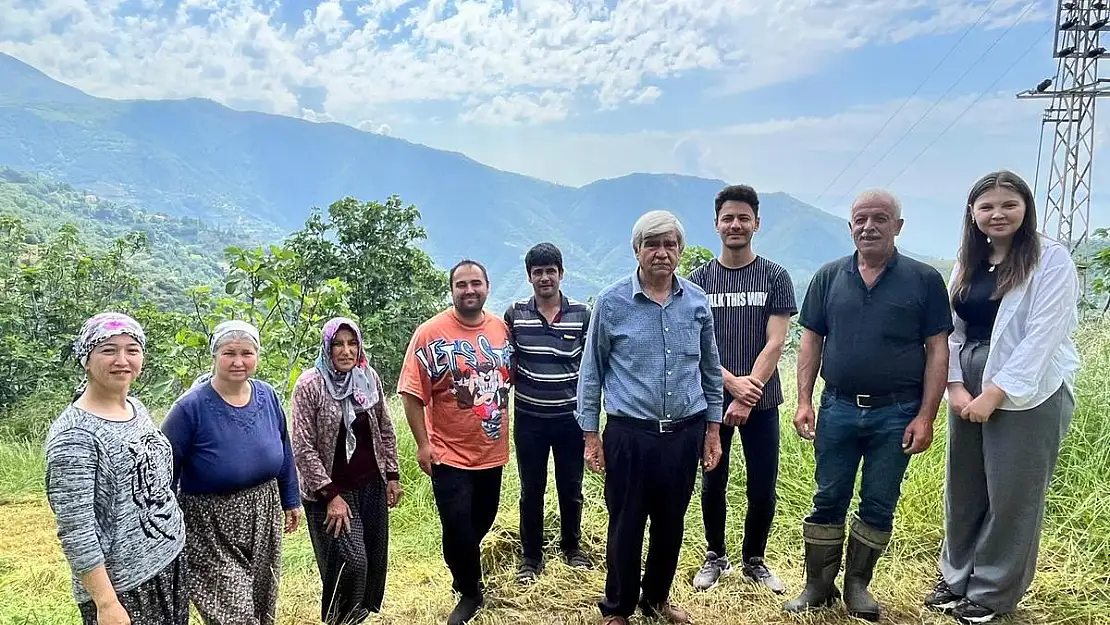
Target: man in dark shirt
{"x": 548, "y": 331}
{"x": 752, "y": 300}
{"x": 877, "y": 325}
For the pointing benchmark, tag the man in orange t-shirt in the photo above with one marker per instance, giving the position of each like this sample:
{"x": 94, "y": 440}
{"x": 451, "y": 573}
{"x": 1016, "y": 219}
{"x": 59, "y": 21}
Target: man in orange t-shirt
{"x": 455, "y": 385}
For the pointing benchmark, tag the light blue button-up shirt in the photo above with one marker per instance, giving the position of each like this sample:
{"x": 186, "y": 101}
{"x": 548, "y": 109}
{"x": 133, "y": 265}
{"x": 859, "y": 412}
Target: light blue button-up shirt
{"x": 652, "y": 361}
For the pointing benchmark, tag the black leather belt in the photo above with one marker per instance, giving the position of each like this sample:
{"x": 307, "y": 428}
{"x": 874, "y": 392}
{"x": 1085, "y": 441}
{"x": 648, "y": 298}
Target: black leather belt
{"x": 657, "y": 425}
{"x": 874, "y": 400}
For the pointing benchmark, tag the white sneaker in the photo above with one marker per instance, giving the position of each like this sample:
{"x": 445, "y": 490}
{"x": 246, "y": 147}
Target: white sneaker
{"x": 711, "y": 572}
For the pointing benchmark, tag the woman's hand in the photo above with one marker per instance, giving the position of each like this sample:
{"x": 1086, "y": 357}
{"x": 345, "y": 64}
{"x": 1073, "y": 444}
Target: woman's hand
{"x": 292, "y": 520}
{"x": 393, "y": 493}
{"x": 112, "y": 613}
{"x": 958, "y": 398}
{"x": 339, "y": 517}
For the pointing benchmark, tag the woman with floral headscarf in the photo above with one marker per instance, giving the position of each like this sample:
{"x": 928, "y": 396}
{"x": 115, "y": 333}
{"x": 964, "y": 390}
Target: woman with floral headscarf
{"x": 346, "y": 452}
{"x": 234, "y": 463}
{"x": 108, "y": 475}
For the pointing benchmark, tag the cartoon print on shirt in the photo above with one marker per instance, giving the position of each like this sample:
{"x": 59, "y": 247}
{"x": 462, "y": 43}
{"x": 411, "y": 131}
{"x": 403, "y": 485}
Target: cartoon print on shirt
{"x": 486, "y": 392}
{"x": 479, "y": 376}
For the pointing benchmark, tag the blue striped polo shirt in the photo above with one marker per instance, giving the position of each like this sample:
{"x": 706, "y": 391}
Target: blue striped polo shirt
{"x": 547, "y": 356}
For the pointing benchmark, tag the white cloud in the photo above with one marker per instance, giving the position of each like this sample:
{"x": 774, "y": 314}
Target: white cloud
{"x": 368, "y": 55}
{"x": 519, "y": 108}
{"x": 648, "y": 95}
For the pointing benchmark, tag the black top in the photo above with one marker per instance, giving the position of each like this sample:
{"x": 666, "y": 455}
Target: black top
{"x": 875, "y": 338}
{"x": 362, "y": 469}
{"x": 977, "y": 309}
{"x": 743, "y": 300}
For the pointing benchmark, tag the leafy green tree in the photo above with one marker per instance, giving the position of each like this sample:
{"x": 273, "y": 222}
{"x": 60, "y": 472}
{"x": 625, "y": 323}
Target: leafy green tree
{"x": 373, "y": 248}
{"x": 47, "y": 290}
{"x": 1098, "y": 268}
{"x": 693, "y": 256}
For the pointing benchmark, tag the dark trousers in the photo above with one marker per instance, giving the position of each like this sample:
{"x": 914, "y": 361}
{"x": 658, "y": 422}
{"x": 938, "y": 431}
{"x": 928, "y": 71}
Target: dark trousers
{"x": 467, "y": 500}
{"x": 353, "y": 566}
{"x": 759, "y": 437}
{"x": 648, "y": 475}
{"x": 535, "y": 437}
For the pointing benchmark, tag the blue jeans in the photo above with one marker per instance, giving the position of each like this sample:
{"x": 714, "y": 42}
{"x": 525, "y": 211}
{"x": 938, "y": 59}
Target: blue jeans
{"x": 847, "y": 434}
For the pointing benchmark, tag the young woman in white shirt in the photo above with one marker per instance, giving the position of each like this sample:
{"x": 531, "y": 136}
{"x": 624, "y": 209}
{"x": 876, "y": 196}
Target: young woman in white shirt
{"x": 1010, "y": 397}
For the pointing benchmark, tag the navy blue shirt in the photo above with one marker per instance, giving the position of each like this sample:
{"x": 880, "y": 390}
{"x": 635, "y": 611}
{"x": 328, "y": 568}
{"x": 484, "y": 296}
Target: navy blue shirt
{"x": 219, "y": 448}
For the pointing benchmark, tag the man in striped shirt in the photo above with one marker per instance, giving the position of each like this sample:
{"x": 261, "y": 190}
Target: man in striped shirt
{"x": 752, "y": 300}
{"x": 547, "y": 332}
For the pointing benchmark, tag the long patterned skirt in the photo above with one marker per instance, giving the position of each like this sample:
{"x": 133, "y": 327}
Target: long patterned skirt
{"x": 234, "y": 546}
{"x": 161, "y": 600}
{"x": 352, "y": 566}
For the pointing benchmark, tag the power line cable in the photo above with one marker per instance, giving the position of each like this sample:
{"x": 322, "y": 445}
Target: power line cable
{"x": 937, "y": 102}
{"x": 970, "y": 106}
{"x": 906, "y": 101}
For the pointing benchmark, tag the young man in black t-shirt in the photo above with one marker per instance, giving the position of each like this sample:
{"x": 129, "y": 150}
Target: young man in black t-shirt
{"x": 752, "y": 300}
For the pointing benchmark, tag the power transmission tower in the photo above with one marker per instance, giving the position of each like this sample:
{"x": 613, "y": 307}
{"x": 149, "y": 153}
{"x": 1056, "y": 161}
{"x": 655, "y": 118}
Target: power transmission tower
{"x": 1071, "y": 114}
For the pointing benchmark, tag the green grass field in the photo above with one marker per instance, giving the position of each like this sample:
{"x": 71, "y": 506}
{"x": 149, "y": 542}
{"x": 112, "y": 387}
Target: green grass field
{"x": 1072, "y": 584}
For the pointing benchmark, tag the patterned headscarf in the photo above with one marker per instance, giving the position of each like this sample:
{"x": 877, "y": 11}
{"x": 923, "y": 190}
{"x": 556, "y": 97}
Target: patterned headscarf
{"x": 221, "y": 331}
{"x": 100, "y": 328}
{"x": 233, "y": 325}
{"x": 352, "y": 389}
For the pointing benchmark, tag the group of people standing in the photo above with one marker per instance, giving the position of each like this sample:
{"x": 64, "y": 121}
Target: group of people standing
{"x": 153, "y": 519}
{"x": 150, "y": 519}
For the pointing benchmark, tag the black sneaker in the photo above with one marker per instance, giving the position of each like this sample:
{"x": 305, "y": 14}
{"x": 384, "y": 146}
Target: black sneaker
{"x": 529, "y": 570}
{"x": 577, "y": 559}
{"x": 942, "y": 599}
{"x": 971, "y": 613}
{"x": 757, "y": 571}
{"x": 465, "y": 610}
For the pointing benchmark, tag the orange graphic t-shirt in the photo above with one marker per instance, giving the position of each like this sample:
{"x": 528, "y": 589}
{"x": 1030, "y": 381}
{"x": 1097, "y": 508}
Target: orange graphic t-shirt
{"x": 461, "y": 373}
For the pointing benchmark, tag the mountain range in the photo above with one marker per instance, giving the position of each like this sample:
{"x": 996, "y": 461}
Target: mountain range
{"x": 258, "y": 175}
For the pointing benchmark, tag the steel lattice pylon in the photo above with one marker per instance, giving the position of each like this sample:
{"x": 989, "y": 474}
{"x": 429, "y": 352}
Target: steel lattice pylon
{"x": 1071, "y": 116}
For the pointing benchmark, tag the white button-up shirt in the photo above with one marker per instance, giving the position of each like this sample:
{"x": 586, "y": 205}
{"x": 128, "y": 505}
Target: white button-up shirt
{"x": 1031, "y": 349}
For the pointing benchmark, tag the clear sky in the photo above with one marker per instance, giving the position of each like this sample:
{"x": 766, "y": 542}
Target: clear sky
{"x": 781, "y": 94}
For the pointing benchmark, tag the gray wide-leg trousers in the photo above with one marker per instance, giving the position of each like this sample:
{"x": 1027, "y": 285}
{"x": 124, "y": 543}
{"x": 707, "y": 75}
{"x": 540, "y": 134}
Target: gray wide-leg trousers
{"x": 996, "y": 478}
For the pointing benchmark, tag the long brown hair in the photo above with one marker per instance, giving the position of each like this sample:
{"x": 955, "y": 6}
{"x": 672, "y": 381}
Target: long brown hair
{"x": 975, "y": 248}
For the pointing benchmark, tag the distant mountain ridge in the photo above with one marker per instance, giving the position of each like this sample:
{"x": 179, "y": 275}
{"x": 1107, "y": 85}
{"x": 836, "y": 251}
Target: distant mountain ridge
{"x": 258, "y": 175}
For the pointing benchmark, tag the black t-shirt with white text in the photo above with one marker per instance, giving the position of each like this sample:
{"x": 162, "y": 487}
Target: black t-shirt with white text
{"x": 743, "y": 300}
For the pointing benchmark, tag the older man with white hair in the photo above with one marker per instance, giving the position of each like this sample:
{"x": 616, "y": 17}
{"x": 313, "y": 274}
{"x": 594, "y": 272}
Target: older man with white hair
{"x": 876, "y": 325}
{"x": 651, "y": 350}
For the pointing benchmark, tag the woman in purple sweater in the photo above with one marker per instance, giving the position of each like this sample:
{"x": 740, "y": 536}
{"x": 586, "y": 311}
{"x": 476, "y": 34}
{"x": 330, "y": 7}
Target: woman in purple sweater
{"x": 238, "y": 483}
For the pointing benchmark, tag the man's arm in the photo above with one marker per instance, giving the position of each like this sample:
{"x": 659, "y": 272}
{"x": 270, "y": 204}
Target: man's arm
{"x": 809, "y": 363}
{"x": 712, "y": 381}
{"x": 414, "y": 414}
{"x": 768, "y": 359}
{"x": 591, "y": 374}
{"x": 936, "y": 374}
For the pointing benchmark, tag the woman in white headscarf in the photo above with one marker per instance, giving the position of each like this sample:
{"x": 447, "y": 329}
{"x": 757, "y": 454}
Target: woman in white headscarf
{"x": 234, "y": 466}
{"x": 346, "y": 453}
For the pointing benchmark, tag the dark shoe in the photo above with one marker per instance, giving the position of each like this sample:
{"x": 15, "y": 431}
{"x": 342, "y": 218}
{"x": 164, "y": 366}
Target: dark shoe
{"x": 971, "y": 613}
{"x": 577, "y": 559}
{"x": 714, "y": 568}
{"x": 668, "y": 611}
{"x": 865, "y": 545}
{"x": 465, "y": 610}
{"x": 824, "y": 545}
{"x": 529, "y": 570}
{"x": 942, "y": 599}
{"x": 757, "y": 571}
